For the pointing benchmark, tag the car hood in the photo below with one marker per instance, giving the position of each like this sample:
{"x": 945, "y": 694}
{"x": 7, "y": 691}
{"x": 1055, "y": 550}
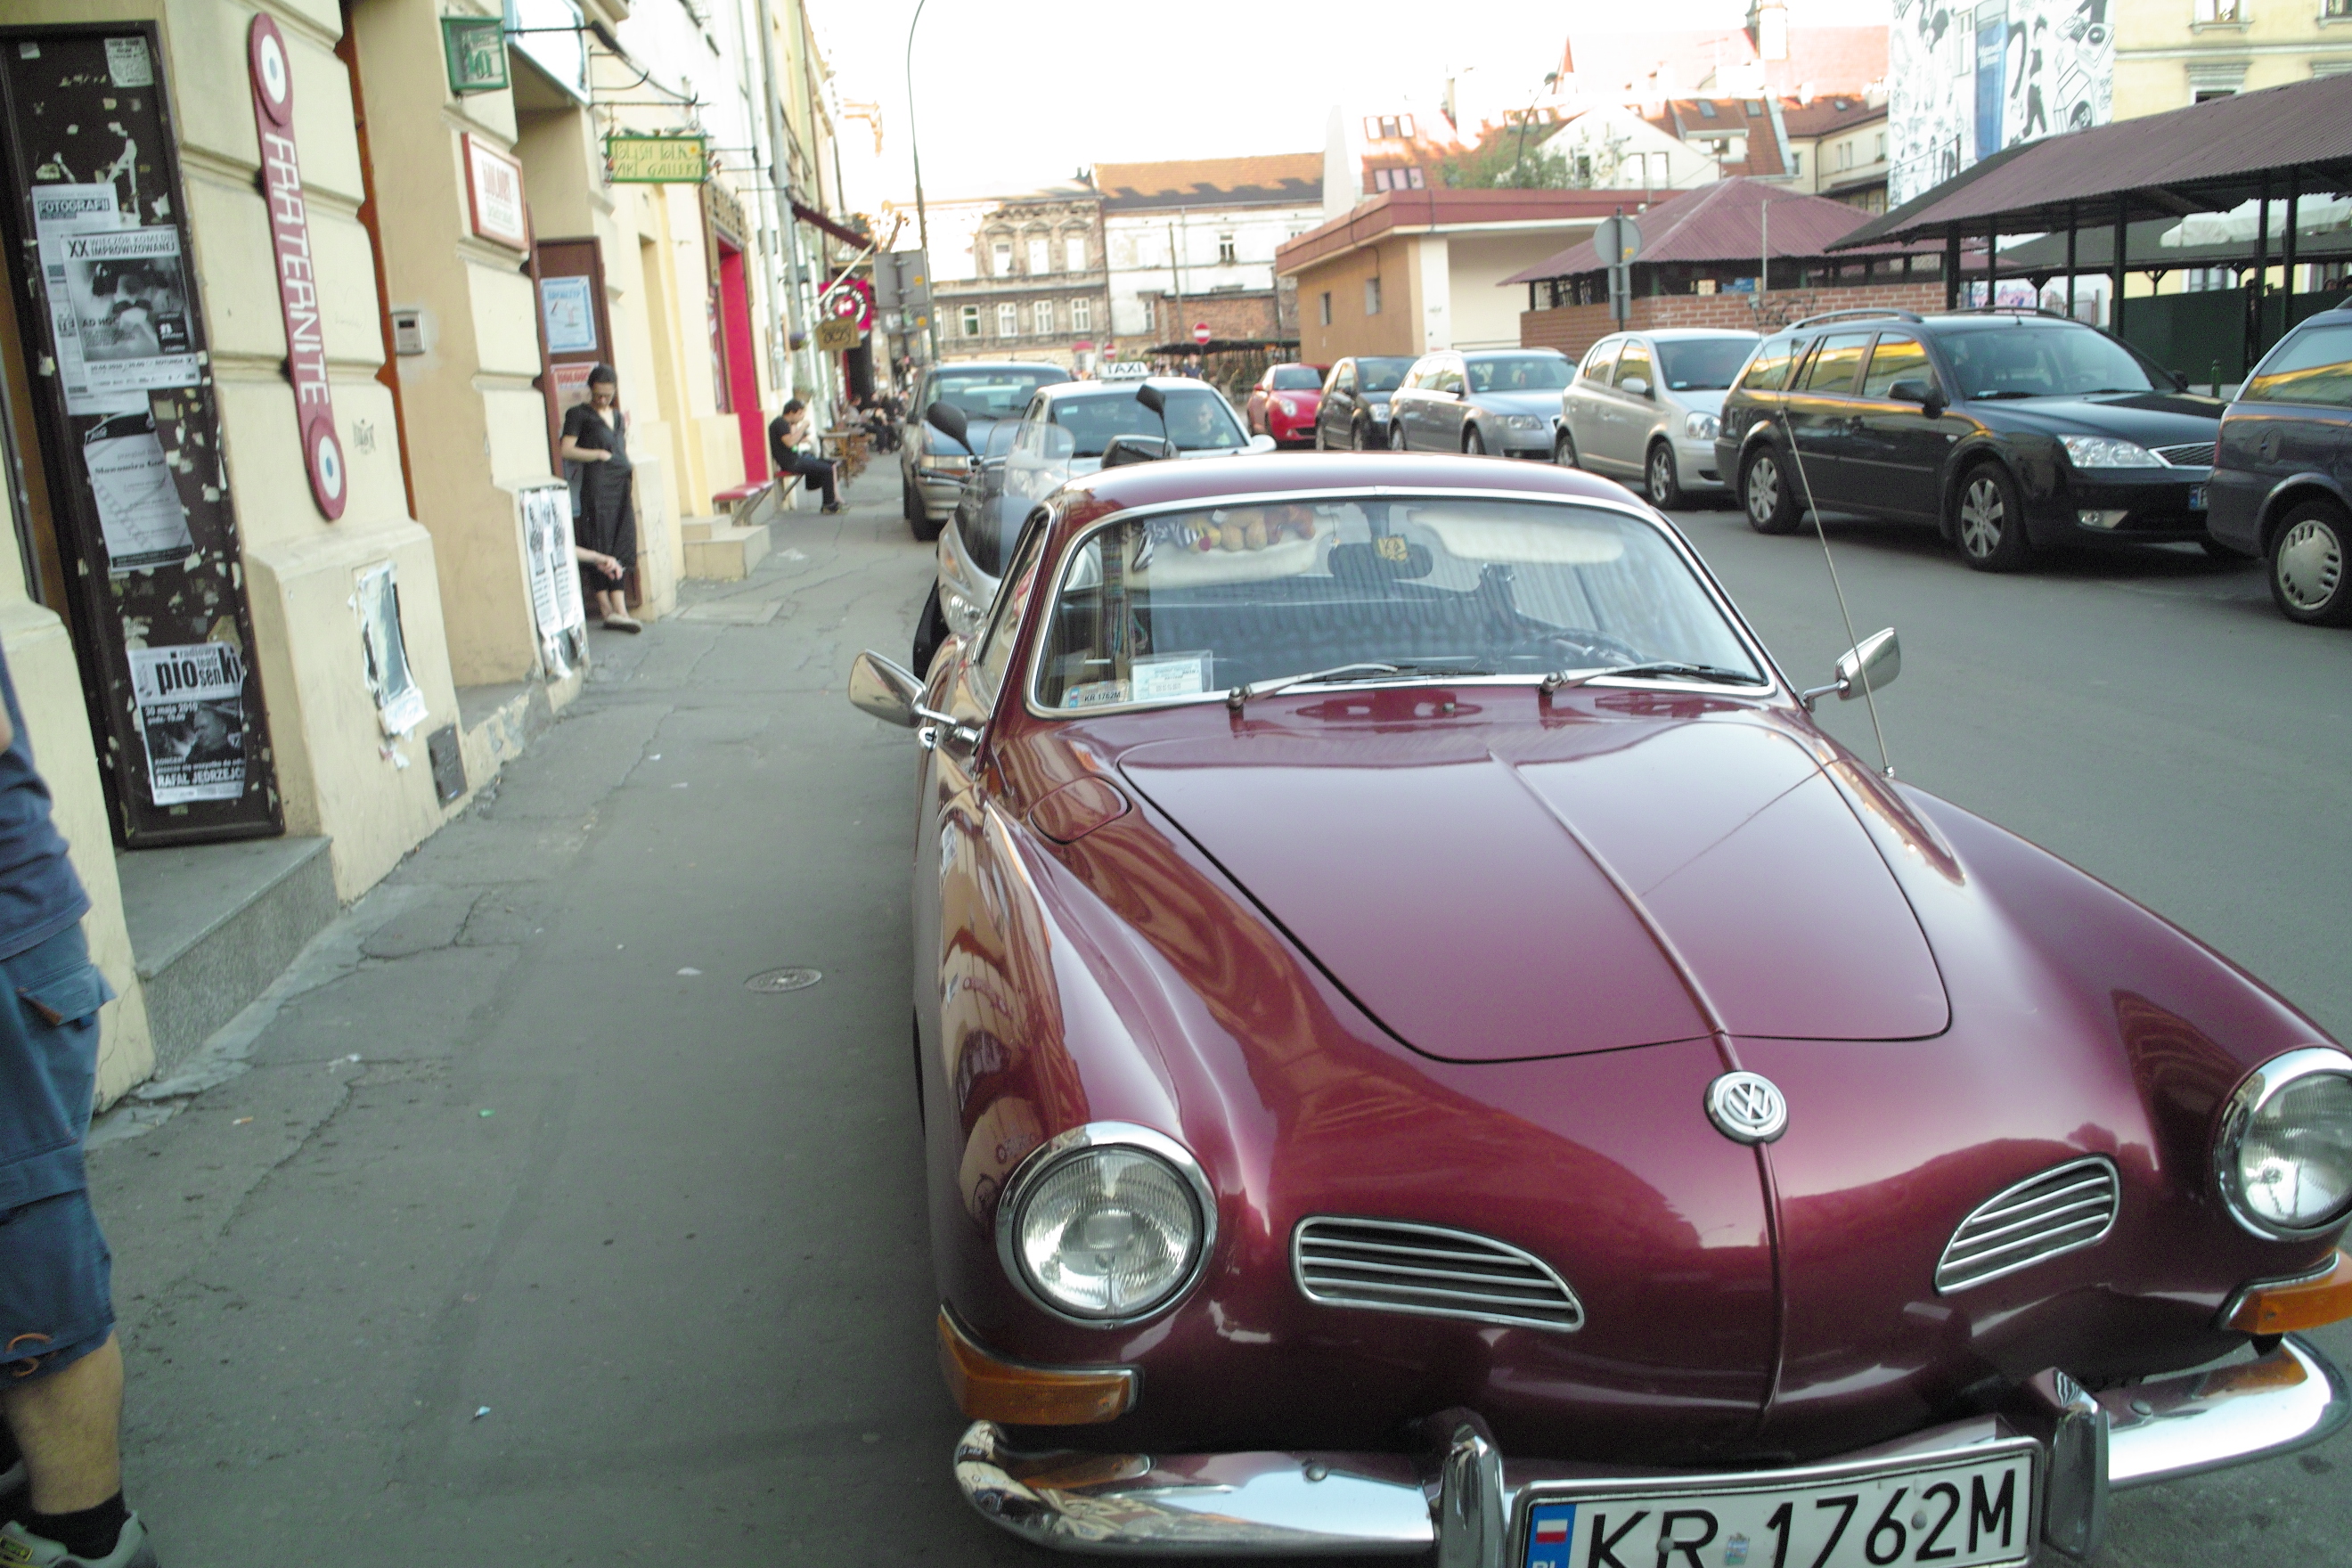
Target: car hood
{"x": 2150, "y": 419}
{"x": 1599, "y": 887}
{"x": 1518, "y": 401}
{"x": 1698, "y": 401}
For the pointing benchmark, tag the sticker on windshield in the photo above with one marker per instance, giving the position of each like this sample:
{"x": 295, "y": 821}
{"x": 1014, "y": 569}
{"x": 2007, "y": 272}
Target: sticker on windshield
{"x": 1182, "y": 675}
{"x": 1095, "y": 694}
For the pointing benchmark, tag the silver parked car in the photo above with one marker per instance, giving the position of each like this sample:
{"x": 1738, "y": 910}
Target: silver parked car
{"x": 933, "y": 464}
{"x": 1644, "y": 407}
{"x": 1504, "y": 401}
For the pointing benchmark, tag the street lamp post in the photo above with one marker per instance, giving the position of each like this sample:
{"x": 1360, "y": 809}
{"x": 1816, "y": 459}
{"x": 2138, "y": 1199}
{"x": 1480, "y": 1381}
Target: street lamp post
{"x": 922, "y": 216}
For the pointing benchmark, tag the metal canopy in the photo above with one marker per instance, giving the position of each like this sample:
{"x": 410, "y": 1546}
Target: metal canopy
{"x": 2210, "y": 158}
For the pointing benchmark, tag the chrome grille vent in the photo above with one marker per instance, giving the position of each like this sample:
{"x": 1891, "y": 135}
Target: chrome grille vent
{"x": 1391, "y": 1267}
{"x": 2191, "y": 455}
{"x": 2057, "y": 1211}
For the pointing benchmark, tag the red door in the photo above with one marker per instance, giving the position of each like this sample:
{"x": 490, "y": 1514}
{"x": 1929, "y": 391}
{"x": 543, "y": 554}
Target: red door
{"x": 742, "y": 377}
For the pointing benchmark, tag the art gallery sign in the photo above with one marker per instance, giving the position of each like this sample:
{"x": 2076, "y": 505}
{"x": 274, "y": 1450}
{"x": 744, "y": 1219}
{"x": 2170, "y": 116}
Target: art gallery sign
{"x": 636, "y": 160}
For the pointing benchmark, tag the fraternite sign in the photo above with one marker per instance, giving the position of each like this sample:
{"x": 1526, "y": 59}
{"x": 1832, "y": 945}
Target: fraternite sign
{"x": 298, "y": 284}
{"x": 657, "y": 160}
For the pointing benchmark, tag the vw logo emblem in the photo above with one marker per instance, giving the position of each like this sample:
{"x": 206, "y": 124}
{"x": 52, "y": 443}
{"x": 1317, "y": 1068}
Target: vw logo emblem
{"x": 1746, "y": 1107}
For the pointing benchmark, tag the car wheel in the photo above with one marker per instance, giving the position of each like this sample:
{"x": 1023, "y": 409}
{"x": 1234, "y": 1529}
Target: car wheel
{"x": 1764, "y": 488}
{"x": 1666, "y": 485}
{"x": 1472, "y": 443}
{"x": 910, "y": 499}
{"x": 1320, "y": 445}
{"x": 930, "y": 631}
{"x": 2311, "y": 566}
{"x": 1563, "y": 451}
{"x": 1396, "y": 438}
{"x": 1990, "y": 527}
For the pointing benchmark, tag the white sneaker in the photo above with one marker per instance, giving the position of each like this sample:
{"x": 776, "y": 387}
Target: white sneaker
{"x": 20, "y": 1548}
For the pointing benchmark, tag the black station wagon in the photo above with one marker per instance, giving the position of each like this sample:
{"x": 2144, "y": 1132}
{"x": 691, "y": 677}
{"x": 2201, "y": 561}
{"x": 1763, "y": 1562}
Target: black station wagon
{"x": 2011, "y": 431}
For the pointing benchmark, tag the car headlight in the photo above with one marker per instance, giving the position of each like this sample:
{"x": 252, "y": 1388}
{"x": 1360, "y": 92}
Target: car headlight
{"x": 2285, "y": 1153}
{"x": 2108, "y": 452}
{"x": 1286, "y": 405}
{"x": 963, "y": 613}
{"x": 1699, "y": 426}
{"x": 1525, "y": 422}
{"x": 1107, "y": 1223}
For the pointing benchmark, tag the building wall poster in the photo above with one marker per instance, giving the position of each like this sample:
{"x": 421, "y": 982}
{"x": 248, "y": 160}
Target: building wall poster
{"x": 494, "y": 195}
{"x": 1965, "y": 83}
{"x": 127, "y": 427}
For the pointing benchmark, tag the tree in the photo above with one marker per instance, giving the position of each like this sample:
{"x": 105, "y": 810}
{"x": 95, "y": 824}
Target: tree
{"x": 1503, "y": 163}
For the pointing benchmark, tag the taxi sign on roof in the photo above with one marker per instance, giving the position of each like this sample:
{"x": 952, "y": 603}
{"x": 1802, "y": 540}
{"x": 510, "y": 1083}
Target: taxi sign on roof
{"x": 1125, "y": 370}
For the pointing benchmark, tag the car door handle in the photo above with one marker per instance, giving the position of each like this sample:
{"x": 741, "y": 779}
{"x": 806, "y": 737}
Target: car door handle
{"x": 1854, "y": 423}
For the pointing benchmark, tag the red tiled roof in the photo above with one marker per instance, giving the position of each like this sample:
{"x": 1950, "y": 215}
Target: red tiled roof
{"x": 1197, "y": 181}
{"x": 1439, "y": 208}
{"x": 1823, "y": 115}
{"x": 1721, "y": 222}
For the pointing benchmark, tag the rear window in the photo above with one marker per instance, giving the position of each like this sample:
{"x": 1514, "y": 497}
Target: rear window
{"x": 1381, "y": 375}
{"x": 1770, "y": 367}
{"x": 991, "y": 394}
{"x": 1519, "y": 373}
{"x": 1295, "y": 378}
{"x": 2313, "y": 366}
{"x": 1197, "y": 420}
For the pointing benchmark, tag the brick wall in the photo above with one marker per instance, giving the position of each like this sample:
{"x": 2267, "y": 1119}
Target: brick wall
{"x": 1252, "y": 314}
{"x": 1572, "y": 329}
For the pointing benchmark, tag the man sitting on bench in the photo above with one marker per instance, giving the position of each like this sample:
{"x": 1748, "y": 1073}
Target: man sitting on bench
{"x": 785, "y": 434}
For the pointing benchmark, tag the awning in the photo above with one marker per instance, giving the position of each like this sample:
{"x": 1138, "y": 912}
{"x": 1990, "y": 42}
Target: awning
{"x": 1222, "y": 346}
{"x": 2209, "y": 158}
{"x": 840, "y": 231}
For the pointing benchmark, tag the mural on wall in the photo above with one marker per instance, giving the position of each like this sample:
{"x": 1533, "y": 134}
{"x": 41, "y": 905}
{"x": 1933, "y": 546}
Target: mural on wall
{"x": 1967, "y": 81}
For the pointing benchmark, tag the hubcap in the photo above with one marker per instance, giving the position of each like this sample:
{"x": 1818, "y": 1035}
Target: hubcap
{"x": 2310, "y": 565}
{"x": 1763, "y": 490}
{"x": 1982, "y": 519}
{"x": 1662, "y": 476}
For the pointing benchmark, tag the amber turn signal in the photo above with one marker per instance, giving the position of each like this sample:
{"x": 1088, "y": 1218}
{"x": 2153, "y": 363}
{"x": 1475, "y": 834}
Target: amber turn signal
{"x": 2304, "y": 1304}
{"x": 987, "y": 1389}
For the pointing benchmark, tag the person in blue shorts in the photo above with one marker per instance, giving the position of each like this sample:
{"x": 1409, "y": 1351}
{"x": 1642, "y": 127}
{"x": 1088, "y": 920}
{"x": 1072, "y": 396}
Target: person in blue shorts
{"x": 60, "y": 1370}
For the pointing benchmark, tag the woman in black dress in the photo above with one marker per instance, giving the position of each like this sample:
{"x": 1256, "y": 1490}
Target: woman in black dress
{"x": 596, "y": 437}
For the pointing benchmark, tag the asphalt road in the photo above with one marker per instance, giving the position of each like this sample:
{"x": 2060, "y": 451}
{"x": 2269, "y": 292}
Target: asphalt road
{"x": 516, "y": 1228}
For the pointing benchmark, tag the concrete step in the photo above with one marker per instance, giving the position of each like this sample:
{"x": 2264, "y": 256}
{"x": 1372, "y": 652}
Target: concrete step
{"x": 213, "y": 924}
{"x": 722, "y": 552}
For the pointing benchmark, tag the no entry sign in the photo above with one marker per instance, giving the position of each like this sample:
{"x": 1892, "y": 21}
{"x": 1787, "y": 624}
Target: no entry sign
{"x": 1201, "y": 332}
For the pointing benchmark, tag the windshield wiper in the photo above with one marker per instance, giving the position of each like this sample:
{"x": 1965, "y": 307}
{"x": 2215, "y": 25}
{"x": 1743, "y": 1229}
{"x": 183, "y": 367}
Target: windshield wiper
{"x": 1369, "y": 669}
{"x": 2006, "y": 392}
{"x": 1665, "y": 667}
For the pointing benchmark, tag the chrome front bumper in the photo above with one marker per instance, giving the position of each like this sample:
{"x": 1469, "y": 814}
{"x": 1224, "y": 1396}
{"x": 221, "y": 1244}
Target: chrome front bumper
{"x": 1463, "y": 1499}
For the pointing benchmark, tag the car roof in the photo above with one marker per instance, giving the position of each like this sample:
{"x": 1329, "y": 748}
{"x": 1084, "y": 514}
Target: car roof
{"x": 1500, "y": 353}
{"x": 1062, "y": 389}
{"x": 1687, "y": 334}
{"x": 1151, "y": 484}
{"x": 989, "y": 364}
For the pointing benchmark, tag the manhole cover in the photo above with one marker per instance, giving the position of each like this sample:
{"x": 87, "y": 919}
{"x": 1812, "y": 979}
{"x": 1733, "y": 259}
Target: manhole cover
{"x": 775, "y": 980}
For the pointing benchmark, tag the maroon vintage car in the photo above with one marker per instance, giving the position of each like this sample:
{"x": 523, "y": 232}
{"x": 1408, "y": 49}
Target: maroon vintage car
{"x": 1424, "y": 1043}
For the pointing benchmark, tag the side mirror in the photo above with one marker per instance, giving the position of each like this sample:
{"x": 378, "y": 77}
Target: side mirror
{"x": 1151, "y": 397}
{"x": 1871, "y": 665}
{"x": 1926, "y": 393}
{"x": 950, "y": 418}
{"x": 1261, "y": 444}
{"x": 1634, "y": 386}
{"x": 1125, "y": 449}
{"x": 882, "y": 688}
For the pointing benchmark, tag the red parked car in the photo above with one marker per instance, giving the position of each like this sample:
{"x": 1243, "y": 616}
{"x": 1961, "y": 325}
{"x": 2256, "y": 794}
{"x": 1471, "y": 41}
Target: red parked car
{"x": 1422, "y": 1041}
{"x": 1284, "y": 404}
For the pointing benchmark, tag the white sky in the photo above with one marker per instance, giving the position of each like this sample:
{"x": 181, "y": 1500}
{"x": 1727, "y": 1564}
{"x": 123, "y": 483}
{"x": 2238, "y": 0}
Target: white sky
{"x": 1017, "y": 96}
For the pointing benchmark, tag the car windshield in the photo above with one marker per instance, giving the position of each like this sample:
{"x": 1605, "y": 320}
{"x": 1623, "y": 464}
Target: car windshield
{"x": 1702, "y": 364}
{"x": 1381, "y": 375}
{"x": 2029, "y": 360}
{"x": 992, "y": 394}
{"x": 1295, "y": 378}
{"x": 1181, "y": 604}
{"x": 1520, "y": 372}
{"x": 1198, "y": 420}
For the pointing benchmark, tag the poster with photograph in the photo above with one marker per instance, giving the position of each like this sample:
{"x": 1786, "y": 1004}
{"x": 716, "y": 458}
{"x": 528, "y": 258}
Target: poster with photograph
{"x": 190, "y": 704}
{"x": 139, "y": 508}
{"x": 555, "y": 599}
{"x": 571, "y": 312}
{"x": 57, "y": 211}
{"x": 129, "y": 307}
{"x": 399, "y": 702}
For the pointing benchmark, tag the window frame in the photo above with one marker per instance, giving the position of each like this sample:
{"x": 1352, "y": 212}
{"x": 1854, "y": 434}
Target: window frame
{"x": 1625, "y": 359}
{"x": 1042, "y": 317}
{"x": 1607, "y": 376}
{"x": 1082, "y": 315}
{"x": 1008, "y": 318}
{"x": 1040, "y": 248}
{"x": 1819, "y": 347}
{"x": 969, "y": 321}
{"x": 1870, "y": 362}
{"x": 1073, "y": 253}
{"x": 1040, "y": 527}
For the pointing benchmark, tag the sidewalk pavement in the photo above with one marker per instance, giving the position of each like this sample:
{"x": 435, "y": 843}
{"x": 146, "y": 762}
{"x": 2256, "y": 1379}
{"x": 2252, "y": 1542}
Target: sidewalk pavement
{"x": 510, "y": 1226}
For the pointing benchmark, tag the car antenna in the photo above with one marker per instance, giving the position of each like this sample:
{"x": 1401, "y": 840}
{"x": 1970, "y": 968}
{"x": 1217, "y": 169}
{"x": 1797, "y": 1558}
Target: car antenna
{"x": 1869, "y": 698}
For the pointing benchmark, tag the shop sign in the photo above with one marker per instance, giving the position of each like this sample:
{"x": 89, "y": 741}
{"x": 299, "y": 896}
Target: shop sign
{"x": 494, "y": 195}
{"x": 297, "y": 283}
{"x": 657, "y": 160}
{"x": 836, "y": 334}
{"x": 474, "y": 48}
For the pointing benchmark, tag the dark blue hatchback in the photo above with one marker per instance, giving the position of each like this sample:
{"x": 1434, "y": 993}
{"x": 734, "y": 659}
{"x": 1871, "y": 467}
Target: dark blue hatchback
{"x": 2282, "y": 486}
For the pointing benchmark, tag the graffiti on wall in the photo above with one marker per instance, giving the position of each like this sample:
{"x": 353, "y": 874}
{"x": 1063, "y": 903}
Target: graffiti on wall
{"x": 1967, "y": 81}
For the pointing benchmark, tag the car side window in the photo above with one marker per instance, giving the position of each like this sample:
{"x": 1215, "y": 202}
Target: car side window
{"x": 2313, "y": 366}
{"x": 1343, "y": 378}
{"x": 1450, "y": 379}
{"x": 1833, "y": 367}
{"x": 1769, "y": 365}
{"x": 1004, "y": 626}
{"x": 1636, "y": 361}
{"x": 1895, "y": 359}
{"x": 1597, "y": 364}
